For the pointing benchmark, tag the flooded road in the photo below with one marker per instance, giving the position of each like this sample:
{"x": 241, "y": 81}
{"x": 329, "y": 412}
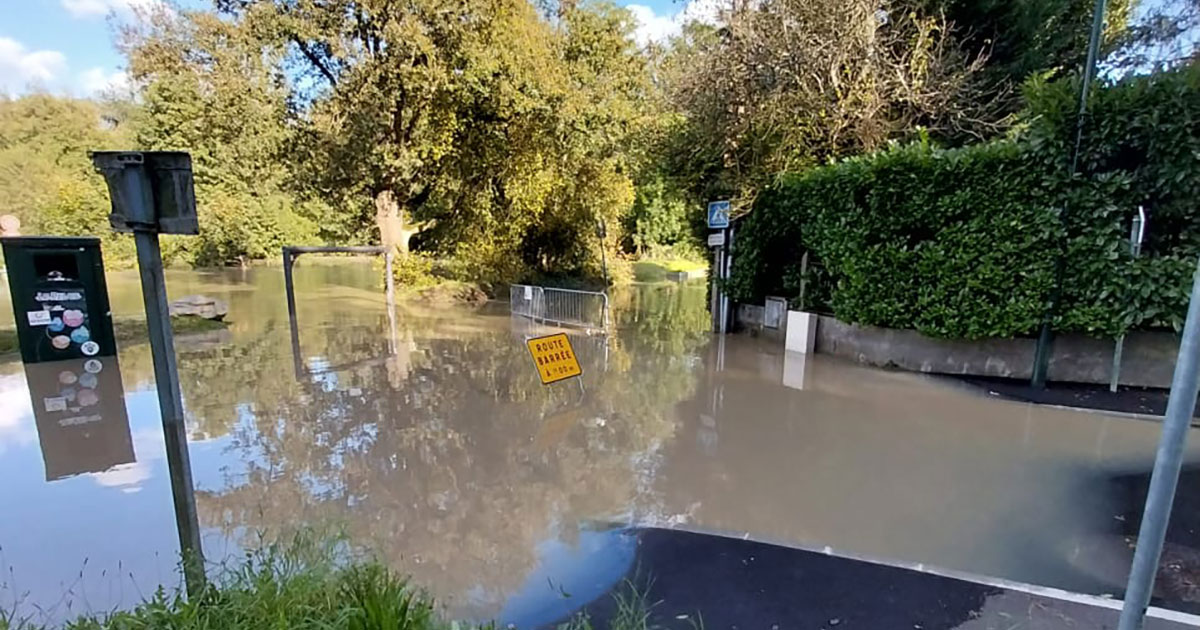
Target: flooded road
{"x": 434, "y": 443}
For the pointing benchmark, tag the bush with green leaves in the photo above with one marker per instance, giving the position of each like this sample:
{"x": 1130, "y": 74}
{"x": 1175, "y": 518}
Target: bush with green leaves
{"x": 236, "y": 228}
{"x": 962, "y": 243}
{"x": 303, "y": 581}
{"x": 660, "y": 222}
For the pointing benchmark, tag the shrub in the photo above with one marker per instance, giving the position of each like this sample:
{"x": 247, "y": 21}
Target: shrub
{"x": 236, "y": 228}
{"x": 413, "y": 270}
{"x": 962, "y": 243}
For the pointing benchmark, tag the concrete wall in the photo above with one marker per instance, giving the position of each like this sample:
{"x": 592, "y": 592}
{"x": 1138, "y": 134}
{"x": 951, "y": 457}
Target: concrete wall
{"x": 749, "y": 317}
{"x": 1148, "y": 360}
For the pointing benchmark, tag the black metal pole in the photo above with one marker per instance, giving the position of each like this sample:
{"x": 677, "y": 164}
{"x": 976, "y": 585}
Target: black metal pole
{"x": 170, "y": 402}
{"x": 603, "y": 256}
{"x": 1045, "y": 343}
{"x": 290, "y": 289}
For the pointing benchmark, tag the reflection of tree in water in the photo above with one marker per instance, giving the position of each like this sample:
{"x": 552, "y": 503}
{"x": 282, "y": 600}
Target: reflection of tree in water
{"x": 451, "y": 460}
{"x": 669, "y": 319}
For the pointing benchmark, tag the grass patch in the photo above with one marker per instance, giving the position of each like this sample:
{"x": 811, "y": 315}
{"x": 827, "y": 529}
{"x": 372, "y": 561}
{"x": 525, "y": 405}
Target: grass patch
{"x": 128, "y": 330}
{"x": 631, "y": 612}
{"x": 304, "y": 583}
{"x": 656, "y": 270}
{"x": 312, "y": 582}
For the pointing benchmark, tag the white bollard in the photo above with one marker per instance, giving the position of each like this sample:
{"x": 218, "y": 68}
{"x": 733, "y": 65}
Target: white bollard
{"x": 801, "y": 332}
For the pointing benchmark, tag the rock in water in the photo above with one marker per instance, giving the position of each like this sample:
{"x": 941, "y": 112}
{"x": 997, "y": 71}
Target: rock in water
{"x": 199, "y": 306}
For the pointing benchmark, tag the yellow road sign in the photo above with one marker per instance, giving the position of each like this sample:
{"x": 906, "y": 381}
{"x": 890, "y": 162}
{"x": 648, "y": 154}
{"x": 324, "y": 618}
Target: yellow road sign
{"x": 554, "y": 358}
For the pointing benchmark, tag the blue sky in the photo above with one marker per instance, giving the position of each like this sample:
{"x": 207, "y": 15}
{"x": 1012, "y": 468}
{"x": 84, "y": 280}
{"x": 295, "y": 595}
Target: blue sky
{"x": 67, "y": 46}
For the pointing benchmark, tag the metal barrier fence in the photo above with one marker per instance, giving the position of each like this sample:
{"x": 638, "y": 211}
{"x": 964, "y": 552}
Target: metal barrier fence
{"x": 525, "y": 300}
{"x": 566, "y": 307}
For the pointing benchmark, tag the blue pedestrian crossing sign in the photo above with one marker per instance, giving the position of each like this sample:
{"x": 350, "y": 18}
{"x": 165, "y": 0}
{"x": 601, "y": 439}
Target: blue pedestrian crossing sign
{"x": 718, "y": 214}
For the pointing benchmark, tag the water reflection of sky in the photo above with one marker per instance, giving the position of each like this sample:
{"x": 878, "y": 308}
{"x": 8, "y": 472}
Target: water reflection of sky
{"x": 569, "y": 575}
{"x": 93, "y": 541}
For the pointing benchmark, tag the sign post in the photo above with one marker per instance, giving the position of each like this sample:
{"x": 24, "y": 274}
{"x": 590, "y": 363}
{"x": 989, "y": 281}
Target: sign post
{"x": 1137, "y": 234}
{"x": 152, "y": 192}
{"x": 1168, "y": 461}
{"x": 718, "y": 219}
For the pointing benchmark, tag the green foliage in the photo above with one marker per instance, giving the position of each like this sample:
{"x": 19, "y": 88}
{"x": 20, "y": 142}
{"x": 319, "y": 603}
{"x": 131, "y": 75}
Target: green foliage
{"x": 413, "y": 271}
{"x": 485, "y": 130}
{"x": 212, "y": 88}
{"x": 911, "y": 237}
{"x": 660, "y": 219}
{"x": 785, "y": 85}
{"x": 235, "y": 229}
{"x": 306, "y": 582}
{"x": 1142, "y": 148}
{"x": 378, "y": 600}
{"x": 961, "y": 243}
{"x": 46, "y": 178}
{"x": 656, "y": 270}
{"x": 1025, "y": 37}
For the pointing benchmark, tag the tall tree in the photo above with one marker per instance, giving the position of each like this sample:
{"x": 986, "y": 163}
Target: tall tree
{"x": 1024, "y": 37}
{"x": 210, "y": 86}
{"x": 783, "y": 84}
{"x": 382, "y": 88}
{"x": 503, "y": 130}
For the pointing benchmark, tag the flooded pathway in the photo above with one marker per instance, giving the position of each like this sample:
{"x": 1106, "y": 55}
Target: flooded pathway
{"x": 436, "y": 445}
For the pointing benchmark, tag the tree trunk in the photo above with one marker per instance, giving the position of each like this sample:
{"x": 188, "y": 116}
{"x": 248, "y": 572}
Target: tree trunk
{"x": 394, "y": 230}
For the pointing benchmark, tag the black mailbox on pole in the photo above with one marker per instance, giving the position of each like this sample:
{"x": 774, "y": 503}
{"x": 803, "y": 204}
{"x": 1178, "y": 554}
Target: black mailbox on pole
{"x": 150, "y": 190}
{"x": 59, "y": 297}
{"x": 152, "y": 193}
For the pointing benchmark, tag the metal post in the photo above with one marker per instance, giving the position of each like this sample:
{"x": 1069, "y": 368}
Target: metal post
{"x": 724, "y": 295}
{"x": 1118, "y": 350}
{"x": 1041, "y": 356}
{"x": 727, "y": 267}
{"x": 390, "y": 281}
{"x": 603, "y": 256}
{"x": 715, "y": 298}
{"x": 170, "y": 402}
{"x": 1180, "y": 407}
{"x": 1136, "y": 233}
{"x": 289, "y": 288}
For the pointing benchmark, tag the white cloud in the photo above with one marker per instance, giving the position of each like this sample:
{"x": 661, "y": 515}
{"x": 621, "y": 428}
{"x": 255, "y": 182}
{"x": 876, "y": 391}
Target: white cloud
{"x": 99, "y": 8}
{"x": 653, "y": 27}
{"x": 16, "y": 416}
{"x": 127, "y": 477}
{"x": 95, "y": 81}
{"x": 20, "y": 67}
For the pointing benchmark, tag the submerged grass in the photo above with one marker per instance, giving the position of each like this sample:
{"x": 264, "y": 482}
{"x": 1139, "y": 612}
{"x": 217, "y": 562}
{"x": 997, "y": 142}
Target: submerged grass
{"x": 631, "y": 612}
{"x": 309, "y": 582}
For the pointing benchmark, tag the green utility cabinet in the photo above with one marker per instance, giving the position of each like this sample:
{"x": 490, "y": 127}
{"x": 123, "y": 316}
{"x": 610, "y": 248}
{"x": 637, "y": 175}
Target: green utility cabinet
{"x": 59, "y": 297}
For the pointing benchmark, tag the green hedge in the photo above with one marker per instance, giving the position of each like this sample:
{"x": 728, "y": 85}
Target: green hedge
{"x": 961, "y": 243}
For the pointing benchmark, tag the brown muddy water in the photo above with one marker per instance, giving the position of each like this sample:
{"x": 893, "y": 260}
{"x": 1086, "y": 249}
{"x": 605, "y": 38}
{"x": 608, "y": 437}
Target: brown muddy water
{"x": 436, "y": 445}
